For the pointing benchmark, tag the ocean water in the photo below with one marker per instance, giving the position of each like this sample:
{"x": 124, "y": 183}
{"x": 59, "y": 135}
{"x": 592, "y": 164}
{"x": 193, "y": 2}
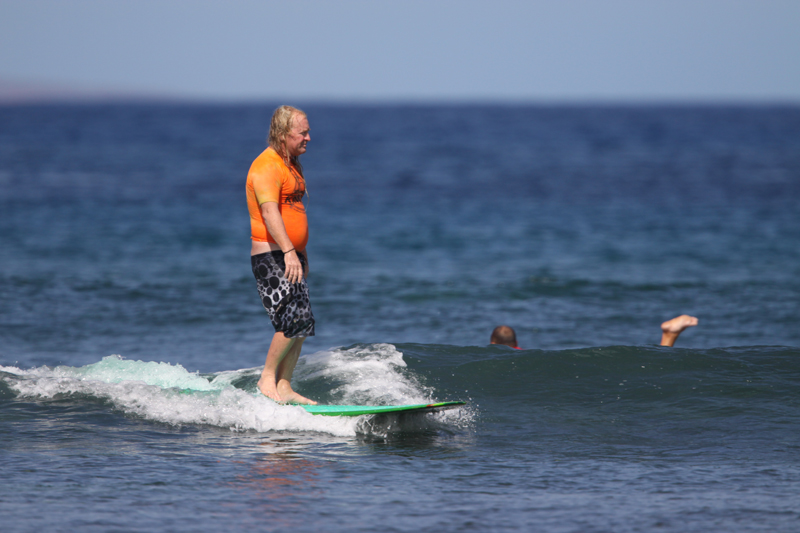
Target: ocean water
{"x": 132, "y": 336}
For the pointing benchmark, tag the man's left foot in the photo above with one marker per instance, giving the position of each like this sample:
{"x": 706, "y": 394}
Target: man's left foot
{"x": 288, "y": 395}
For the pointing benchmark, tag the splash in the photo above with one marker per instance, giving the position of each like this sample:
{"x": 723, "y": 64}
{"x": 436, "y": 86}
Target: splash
{"x": 168, "y": 393}
{"x": 376, "y": 374}
{"x": 373, "y": 374}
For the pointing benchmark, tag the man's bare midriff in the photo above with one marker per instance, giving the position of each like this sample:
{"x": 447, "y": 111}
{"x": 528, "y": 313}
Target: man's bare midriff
{"x": 260, "y": 247}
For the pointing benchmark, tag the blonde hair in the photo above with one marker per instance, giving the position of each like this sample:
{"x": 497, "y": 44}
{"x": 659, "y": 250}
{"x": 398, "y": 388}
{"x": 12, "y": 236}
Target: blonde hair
{"x": 279, "y": 128}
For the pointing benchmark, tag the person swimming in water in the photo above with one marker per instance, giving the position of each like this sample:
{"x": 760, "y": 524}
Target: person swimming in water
{"x": 670, "y": 331}
{"x": 504, "y": 335}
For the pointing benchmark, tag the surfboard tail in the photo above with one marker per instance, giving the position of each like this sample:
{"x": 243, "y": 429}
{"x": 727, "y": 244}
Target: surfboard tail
{"x": 358, "y": 410}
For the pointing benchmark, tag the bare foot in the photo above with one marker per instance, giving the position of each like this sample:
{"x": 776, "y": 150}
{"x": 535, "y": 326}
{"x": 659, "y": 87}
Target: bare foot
{"x": 678, "y": 324}
{"x": 288, "y": 395}
{"x": 671, "y": 329}
{"x": 269, "y": 392}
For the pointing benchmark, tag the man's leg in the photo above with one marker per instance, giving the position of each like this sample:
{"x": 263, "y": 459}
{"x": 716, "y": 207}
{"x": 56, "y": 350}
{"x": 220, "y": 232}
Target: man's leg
{"x": 671, "y": 329}
{"x": 285, "y": 370}
{"x": 279, "y": 349}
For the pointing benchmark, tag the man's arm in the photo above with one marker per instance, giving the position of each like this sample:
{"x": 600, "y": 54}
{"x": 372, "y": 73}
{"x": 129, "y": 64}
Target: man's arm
{"x": 274, "y": 222}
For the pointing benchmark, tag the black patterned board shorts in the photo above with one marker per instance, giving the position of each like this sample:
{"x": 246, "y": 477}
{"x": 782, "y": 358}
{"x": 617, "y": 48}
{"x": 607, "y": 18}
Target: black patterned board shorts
{"x": 286, "y": 303}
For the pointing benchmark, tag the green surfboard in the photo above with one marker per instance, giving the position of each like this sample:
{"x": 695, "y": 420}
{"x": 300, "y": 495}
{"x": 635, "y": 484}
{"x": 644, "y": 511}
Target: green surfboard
{"x": 357, "y": 410}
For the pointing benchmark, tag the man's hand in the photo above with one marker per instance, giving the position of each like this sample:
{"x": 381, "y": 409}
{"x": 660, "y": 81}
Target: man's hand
{"x": 294, "y": 268}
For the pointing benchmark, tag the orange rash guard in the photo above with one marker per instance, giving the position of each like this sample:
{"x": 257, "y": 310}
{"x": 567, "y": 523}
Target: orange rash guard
{"x": 269, "y": 180}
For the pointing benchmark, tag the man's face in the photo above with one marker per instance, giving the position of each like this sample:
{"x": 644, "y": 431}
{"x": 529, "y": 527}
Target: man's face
{"x": 298, "y": 136}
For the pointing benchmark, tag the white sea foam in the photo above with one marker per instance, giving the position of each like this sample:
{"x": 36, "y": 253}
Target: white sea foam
{"x": 371, "y": 374}
{"x": 168, "y": 393}
{"x": 376, "y": 374}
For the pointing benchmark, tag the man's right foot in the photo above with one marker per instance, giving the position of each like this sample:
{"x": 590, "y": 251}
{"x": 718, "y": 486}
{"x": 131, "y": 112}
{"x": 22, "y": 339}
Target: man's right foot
{"x": 288, "y": 395}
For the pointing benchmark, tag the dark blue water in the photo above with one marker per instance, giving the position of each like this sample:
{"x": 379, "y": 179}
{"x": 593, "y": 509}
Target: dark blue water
{"x": 131, "y": 334}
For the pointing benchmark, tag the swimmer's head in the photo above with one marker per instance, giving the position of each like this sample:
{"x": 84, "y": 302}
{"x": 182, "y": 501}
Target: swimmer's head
{"x": 504, "y": 335}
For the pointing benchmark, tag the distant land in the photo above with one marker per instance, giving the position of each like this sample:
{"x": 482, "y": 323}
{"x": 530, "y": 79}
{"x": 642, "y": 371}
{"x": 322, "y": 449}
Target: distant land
{"x": 27, "y": 92}
{"x": 35, "y": 92}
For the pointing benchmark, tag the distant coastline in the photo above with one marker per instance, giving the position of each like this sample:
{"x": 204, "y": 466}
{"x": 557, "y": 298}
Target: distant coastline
{"x": 38, "y": 92}
{"x": 32, "y": 92}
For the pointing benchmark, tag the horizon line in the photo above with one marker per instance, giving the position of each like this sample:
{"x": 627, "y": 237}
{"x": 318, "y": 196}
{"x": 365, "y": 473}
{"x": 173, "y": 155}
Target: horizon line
{"x": 21, "y": 93}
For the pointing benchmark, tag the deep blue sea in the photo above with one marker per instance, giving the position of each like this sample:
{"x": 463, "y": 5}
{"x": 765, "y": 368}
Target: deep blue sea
{"x": 132, "y": 335}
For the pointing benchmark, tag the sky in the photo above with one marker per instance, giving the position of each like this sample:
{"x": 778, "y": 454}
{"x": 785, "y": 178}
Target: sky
{"x": 411, "y": 50}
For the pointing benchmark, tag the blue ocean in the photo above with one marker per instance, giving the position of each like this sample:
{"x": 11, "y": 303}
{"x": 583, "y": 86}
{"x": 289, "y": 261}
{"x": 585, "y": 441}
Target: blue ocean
{"x": 132, "y": 335}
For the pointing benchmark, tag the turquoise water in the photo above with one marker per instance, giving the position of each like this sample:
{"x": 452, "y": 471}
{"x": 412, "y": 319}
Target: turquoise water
{"x": 131, "y": 334}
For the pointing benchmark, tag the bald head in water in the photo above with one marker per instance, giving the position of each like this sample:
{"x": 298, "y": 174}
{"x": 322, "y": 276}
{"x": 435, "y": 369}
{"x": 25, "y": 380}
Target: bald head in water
{"x": 504, "y": 335}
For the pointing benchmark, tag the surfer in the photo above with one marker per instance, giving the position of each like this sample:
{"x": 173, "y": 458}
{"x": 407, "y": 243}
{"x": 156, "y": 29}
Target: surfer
{"x": 279, "y": 233}
{"x": 670, "y": 331}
